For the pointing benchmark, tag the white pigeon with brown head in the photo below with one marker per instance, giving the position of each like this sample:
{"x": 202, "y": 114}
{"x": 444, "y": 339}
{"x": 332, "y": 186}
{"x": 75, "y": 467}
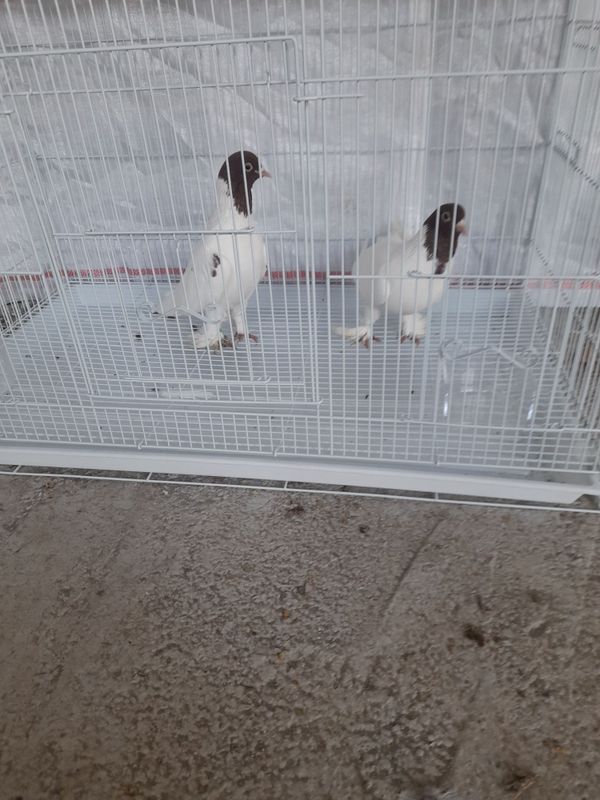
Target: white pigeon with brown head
{"x": 388, "y": 275}
{"x": 224, "y": 269}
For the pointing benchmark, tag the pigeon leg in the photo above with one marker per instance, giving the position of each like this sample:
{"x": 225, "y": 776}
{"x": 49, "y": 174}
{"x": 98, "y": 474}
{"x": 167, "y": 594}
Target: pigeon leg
{"x": 368, "y": 317}
{"x": 210, "y": 336}
{"x": 361, "y": 335}
{"x": 413, "y": 328}
{"x": 367, "y": 339}
{"x": 239, "y": 326}
{"x": 241, "y": 337}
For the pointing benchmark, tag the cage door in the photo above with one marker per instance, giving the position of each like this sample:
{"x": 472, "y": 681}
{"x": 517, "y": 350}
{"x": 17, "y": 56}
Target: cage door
{"x": 128, "y": 141}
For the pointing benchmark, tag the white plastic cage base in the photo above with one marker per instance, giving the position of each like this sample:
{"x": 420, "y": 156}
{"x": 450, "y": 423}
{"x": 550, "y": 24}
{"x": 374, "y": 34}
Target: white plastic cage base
{"x": 92, "y": 381}
{"x": 306, "y": 475}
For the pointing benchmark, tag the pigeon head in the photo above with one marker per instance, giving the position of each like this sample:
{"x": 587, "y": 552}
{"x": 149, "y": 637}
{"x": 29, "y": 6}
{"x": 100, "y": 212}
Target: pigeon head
{"x": 449, "y": 222}
{"x": 240, "y": 172}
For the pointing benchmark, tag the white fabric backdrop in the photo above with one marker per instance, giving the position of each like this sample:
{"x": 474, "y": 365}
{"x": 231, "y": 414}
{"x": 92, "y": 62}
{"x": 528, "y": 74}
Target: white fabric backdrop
{"x": 127, "y": 160}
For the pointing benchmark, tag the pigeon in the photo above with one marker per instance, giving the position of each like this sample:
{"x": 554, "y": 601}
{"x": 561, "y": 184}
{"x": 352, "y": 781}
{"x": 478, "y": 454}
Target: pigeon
{"x": 388, "y": 264}
{"x": 224, "y": 268}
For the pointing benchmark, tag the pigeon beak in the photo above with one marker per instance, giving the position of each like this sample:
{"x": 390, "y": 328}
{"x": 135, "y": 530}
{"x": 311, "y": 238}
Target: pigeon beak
{"x": 264, "y": 173}
{"x": 461, "y": 227}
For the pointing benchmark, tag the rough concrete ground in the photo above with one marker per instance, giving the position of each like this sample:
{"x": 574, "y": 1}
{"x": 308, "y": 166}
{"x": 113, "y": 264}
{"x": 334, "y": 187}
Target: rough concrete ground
{"x": 171, "y": 642}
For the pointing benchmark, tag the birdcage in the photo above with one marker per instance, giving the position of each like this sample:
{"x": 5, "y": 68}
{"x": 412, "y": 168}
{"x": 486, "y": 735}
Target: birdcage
{"x": 114, "y": 120}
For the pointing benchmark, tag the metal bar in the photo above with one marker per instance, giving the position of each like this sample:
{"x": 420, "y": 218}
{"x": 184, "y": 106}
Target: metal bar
{"x": 302, "y": 489}
{"x": 126, "y": 48}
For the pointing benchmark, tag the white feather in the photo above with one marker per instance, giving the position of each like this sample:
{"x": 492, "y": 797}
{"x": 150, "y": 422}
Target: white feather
{"x": 220, "y": 289}
{"x": 384, "y": 273}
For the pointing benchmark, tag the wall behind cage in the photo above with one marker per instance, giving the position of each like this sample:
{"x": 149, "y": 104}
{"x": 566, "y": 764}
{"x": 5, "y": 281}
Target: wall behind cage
{"x": 121, "y": 147}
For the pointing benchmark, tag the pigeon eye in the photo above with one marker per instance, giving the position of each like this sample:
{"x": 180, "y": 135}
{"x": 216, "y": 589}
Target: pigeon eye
{"x": 445, "y": 216}
{"x": 248, "y": 166}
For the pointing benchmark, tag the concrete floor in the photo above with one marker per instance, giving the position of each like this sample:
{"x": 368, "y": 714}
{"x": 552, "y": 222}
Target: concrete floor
{"x": 211, "y": 643}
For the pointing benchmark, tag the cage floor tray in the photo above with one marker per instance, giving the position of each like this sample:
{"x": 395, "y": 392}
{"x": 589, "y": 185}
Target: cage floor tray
{"x": 91, "y": 366}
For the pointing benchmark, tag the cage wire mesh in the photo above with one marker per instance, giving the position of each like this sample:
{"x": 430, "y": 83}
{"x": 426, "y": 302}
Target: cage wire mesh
{"x": 115, "y": 118}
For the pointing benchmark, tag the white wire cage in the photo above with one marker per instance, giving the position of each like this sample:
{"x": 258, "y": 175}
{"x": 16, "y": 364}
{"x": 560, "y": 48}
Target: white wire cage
{"x": 115, "y": 119}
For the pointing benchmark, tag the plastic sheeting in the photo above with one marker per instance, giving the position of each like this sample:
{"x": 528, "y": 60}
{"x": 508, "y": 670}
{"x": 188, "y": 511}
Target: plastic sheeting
{"x": 412, "y": 105}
